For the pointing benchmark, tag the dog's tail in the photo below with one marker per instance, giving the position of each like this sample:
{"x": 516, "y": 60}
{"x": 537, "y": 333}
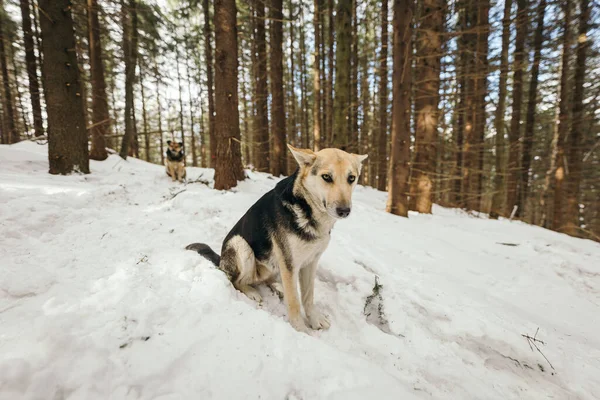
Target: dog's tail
{"x": 205, "y": 251}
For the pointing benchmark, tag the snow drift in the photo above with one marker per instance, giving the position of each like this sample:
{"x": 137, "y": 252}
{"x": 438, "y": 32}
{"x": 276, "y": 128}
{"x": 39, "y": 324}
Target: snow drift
{"x": 99, "y": 299}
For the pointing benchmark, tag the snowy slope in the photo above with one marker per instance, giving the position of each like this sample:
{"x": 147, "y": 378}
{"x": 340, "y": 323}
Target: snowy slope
{"x": 99, "y": 300}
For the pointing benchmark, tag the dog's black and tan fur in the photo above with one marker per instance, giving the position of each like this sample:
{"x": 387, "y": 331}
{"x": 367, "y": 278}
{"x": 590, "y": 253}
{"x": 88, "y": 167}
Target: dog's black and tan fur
{"x": 175, "y": 161}
{"x": 285, "y": 232}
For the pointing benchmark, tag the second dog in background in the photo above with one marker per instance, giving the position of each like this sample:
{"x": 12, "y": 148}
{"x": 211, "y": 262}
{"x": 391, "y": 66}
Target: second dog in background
{"x": 175, "y": 161}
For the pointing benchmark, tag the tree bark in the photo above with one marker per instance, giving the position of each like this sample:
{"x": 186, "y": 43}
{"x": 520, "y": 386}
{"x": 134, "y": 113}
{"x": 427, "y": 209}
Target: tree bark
{"x": 515, "y": 122}
{"x": 381, "y": 163}
{"x": 208, "y": 55}
{"x": 574, "y": 141}
{"x": 353, "y": 105}
{"x": 499, "y": 196}
{"x": 261, "y": 123}
{"x": 180, "y": 90}
{"x": 228, "y": 169}
{"x": 479, "y": 91}
{"x": 317, "y": 78}
{"x": 67, "y": 136}
{"x": 328, "y": 135}
{"x": 341, "y": 105}
{"x": 30, "y": 60}
{"x": 397, "y": 202}
{"x": 538, "y": 41}
{"x": 159, "y": 112}
{"x": 10, "y": 125}
{"x": 304, "y": 136}
{"x": 278, "y": 157}
{"x": 145, "y": 117}
{"x": 191, "y": 101}
{"x": 429, "y": 51}
{"x": 130, "y": 51}
{"x": 563, "y": 124}
{"x": 100, "y": 115}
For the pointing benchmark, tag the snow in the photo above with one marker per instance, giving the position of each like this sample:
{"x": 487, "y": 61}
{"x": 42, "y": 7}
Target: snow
{"x": 99, "y": 299}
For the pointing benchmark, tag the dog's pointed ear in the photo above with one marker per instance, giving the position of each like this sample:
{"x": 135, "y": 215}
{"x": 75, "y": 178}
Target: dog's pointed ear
{"x": 361, "y": 157}
{"x": 304, "y": 157}
{"x": 169, "y": 142}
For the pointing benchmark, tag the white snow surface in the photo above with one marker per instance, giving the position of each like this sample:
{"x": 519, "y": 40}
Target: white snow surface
{"x": 99, "y": 299}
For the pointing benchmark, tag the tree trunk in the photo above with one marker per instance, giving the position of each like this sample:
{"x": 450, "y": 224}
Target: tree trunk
{"x": 261, "y": 128}
{"x": 30, "y": 60}
{"x": 304, "y": 139}
{"x": 429, "y": 51}
{"x": 208, "y": 55}
{"x": 468, "y": 109}
{"x": 531, "y": 107}
{"x": 191, "y": 101}
{"x": 278, "y": 157}
{"x": 100, "y": 116}
{"x": 328, "y": 134}
{"x": 383, "y": 101}
{"x": 397, "y": 202}
{"x": 317, "y": 78}
{"x": 293, "y": 126}
{"x": 228, "y": 169}
{"x": 180, "y": 89}
{"x": 10, "y": 125}
{"x": 130, "y": 51}
{"x": 341, "y": 105}
{"x": 563, "y": 125}
{"x": 515, "y": 122}
{"x": 365, "y": 126}
{"x": 67, "y": 136}
{"x": 499, "y": 197}
{"x": 353, "y": 109}
{"x": 574, "y": 141}
{"x": 159, "y": 112}
{"x": 479, "y": 91}
{"x": 17, "y": 92}
{"x": 463, "y": 65}
{"x": 145, "y": 117}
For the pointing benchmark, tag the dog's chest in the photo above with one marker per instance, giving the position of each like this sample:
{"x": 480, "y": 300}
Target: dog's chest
{"x": 304, "y": 252}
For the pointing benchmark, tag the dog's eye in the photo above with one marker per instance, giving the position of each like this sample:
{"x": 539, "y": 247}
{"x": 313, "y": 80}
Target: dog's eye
{"x": 327, "y": 178}
{"x": 351, "y": 179}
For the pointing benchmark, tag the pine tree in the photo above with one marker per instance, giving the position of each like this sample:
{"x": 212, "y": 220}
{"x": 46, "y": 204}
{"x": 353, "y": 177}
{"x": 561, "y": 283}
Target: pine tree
{"x": 428, "y": 52}
{"x": 397, "y": 202}
{"x": 278, "y": 136}
{"x": 67, "y": 135}
{"x": 228, "y": 169}
{"x": 32, "y": 75}
{"x": 100, "y": 117}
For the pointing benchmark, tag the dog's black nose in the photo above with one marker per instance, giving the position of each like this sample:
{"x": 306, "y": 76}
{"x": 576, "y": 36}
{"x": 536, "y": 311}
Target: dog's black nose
{"x": 342, "y": 212}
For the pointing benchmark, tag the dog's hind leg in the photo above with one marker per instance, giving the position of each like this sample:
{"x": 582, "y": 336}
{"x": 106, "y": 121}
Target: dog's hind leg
{"x": 239, "y": 262}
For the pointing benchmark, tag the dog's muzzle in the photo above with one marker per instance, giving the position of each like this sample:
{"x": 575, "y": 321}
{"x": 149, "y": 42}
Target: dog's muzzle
{"x": 342, "y": 212}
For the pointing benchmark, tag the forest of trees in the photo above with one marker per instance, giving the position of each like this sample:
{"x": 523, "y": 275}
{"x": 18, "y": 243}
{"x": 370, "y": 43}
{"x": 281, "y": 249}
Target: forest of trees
{"x": 492, "y": 107}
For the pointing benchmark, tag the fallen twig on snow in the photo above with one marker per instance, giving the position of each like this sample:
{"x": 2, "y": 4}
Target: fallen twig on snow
{"x": 533, "y": 341}
{"x": 173, "y": 195}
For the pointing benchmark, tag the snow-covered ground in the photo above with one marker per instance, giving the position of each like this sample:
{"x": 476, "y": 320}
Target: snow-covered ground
{"x": 99, "y": 299}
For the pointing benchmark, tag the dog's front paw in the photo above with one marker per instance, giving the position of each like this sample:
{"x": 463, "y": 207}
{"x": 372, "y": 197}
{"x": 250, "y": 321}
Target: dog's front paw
{"x": 299, "y": 325}
{"x": 317, "y": 320}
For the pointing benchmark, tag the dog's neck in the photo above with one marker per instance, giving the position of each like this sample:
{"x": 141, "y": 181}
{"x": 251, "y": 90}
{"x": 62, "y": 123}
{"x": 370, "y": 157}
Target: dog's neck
{"x": 174, "y": 156}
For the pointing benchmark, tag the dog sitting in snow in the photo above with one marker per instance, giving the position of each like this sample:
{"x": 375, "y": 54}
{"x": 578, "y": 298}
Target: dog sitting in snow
{"x": 285, "y": 232}
{"x": 175, "y": 161}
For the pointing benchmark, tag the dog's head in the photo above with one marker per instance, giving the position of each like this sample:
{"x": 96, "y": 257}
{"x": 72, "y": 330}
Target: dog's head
{"x": 175, "y": 147}
{"x": 329, "y": 176}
